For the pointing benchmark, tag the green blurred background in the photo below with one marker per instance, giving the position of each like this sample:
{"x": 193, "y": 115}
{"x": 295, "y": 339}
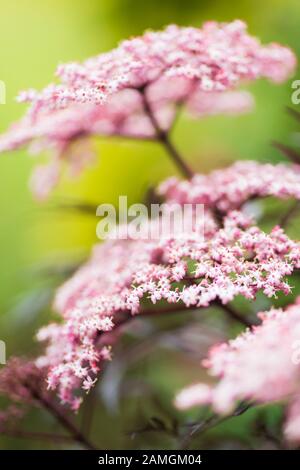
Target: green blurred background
{"x": 34, "y": 37}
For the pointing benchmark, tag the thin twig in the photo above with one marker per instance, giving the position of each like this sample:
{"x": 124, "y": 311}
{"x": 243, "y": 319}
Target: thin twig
{"x": 88, "y": 413}
{"x": 288, "y": 216}
{"x": 288, "y": 152}
{"x": 191, "y": 430}
{"x": 61, "y": 417}
{"x": 235, "y": 315}
{"x": 209, "y": 423}
{"x": 198, "y": 428}
{"x": 163, "y": 137}
{"x": 123, "y": 317}
{"x": 18, "y": 433}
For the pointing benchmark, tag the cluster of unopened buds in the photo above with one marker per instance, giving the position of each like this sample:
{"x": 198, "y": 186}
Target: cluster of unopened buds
{"x": 135, "y": 91}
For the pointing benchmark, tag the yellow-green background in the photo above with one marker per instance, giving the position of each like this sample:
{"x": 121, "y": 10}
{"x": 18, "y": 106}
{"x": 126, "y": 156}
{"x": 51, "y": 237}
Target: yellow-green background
{"x": 37, "y": 35}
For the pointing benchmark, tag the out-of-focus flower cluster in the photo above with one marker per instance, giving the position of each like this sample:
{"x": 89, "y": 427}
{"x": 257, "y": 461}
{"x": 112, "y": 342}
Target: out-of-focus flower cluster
{"x": 230, "y": 188}
{"x": 106, "y": 95}
{"x": 22, "y": 382}
{"x": 259, "y": 366}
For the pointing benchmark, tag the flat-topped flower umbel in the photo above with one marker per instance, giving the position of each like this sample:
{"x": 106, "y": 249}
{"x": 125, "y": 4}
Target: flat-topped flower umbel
{"x": 135, "y": 90}
{"x": 259, "y": 366}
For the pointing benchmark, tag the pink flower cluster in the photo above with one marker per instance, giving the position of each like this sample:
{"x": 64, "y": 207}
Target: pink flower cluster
{"x": 229, "y": 102}
{"x": 9, "y": 416}
{"x": 134, "y": 91}
{"x": 216, "y": 57}
{"x": 259, "y": 366}
{"x": 16, "y": 377}
{"x": 19, "y": 380}
{"x": 123, "y": 276}
{"x": 105, "y": 95}
{"x": 66, "y": 132}
{"x": 230, "y": 188}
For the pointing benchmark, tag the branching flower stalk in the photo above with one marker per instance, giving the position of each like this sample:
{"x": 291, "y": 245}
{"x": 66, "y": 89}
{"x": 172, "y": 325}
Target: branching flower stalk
{"x": 24, "y": 383}
{"x": 63, "y": 419}
{"x": 162, "y": 136}
{"x": 209, "y": 423}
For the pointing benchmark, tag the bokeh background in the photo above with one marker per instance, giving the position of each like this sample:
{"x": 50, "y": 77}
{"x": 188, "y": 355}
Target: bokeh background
{"x": 40, "y": 244}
